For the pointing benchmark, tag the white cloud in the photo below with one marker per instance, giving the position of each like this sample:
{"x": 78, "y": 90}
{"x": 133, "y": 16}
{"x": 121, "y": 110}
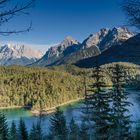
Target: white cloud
{"x": 41, "y": 47}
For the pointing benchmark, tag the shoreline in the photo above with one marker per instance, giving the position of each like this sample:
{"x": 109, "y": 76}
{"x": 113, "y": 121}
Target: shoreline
{"x": 36, "y": 112}
{"x": 46, "y": 111}
{"x": 12, "y": 107}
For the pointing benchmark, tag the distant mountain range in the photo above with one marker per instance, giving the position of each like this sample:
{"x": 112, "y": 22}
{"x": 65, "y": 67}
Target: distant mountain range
{"x": 71, "y": 51}
{"x": 105, "y": 43}
{"x": 12, "y": 54}
{"x": 129, "y": 51}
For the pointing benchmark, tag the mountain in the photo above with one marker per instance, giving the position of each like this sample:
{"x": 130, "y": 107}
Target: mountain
{"x": 70, "y": 50}
{"x": 95, "y": 39}
{"x": 11, "y": 54}
{"x": 96, "y": 43}
{"x": 129, "y": 51}
{"x": 58, "y": 52}
{"x": 106, "y": 38}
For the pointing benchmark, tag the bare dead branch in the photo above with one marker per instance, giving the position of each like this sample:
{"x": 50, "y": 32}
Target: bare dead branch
{"x": 132, "y": 10}
{"x": 7, "y": 15}
{"x": 9, "y": 32}
{"x": 16, "y": 9}
{"x": 3, "y": 1}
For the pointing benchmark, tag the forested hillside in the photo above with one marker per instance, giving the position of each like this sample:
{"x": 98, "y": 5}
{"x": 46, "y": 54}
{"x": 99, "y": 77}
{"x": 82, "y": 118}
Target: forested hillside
{"x": 46, "y": 87}
{"x": 21, "y": 86}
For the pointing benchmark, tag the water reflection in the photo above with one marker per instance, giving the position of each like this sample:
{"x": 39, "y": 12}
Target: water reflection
{"x": 70, "y": 111}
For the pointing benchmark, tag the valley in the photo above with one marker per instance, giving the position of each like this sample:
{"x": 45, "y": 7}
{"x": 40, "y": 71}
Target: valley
{"x": 72, "y": 72}
{"x": 72, "y": 110}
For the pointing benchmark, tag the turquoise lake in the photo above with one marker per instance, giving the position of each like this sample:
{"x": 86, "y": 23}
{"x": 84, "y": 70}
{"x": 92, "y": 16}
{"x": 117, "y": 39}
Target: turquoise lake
{"x": 71, "y": 110}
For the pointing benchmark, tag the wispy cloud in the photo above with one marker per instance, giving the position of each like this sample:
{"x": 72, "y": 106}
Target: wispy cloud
{"x": 41, "y": 47}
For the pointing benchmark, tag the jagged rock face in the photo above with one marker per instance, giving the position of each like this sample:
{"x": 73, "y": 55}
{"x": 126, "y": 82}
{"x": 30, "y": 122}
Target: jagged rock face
{"x": 106, "y": 38}
{"x": 70, "y": 50}
{"x": 55, "y": 53}
{"x": 129, "y": 51}
{"x": 58, "y": 49}
{"x": 95, "y": 39}
{"x": 116, "y": 36}
{"x": 78, "y": 55}
{"x": 11, "y": 54}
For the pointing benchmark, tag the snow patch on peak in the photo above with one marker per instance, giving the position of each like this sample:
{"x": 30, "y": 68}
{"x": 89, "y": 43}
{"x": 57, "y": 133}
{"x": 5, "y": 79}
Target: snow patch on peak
{"x": 68, "y": 41}
{"x": 12, "y": 51}
{"x": 56, "y": 51}
{"x": 106, "y": 38}
{"x": 94, "y": 39}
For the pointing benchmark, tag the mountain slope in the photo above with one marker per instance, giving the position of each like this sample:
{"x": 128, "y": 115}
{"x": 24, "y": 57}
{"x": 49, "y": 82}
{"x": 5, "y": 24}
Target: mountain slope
{"x": 78, "y": 55}
{"x": 71, "y": 51}
{"x": 12, "y": 54}
{"x": 129, "y": 51}
{"x": 96, "y": 43}
{"x": 106, "y": 38}
{"x": 56, "y": 53}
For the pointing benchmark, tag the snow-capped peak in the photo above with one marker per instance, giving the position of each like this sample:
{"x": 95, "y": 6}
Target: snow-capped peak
{"x": 60, "y": 48}
{"x": 12, "y": 51}
{"x": 68, "y": 41}
{"x": 95, "y": 38}
{"x": 106, "y": 38}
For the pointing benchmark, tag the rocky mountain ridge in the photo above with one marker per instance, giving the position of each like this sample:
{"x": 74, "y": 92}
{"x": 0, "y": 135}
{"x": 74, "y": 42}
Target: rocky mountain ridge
{"x": 70, "y": 50}
{"x": 14, "y": 54}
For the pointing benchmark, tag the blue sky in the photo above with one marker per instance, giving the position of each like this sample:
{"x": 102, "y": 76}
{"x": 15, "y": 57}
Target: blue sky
{"x": 54, "y": 19}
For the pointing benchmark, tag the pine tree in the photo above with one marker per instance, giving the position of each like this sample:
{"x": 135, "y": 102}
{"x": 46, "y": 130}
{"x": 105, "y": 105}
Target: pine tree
{"x": 58, "y": 126}
{"x": 83, "y": 135}
{"x": 33, "y": 132}
{"x": 36, "y": 132}
{"x": 136, "y": 133}
{"x": 120, "y": 113}
{"x": 3, "y": 128}
{"x": 97, "y": 107}
{"x": 39, "y": 134}
{"x": 13, "y": 132}
{"x": 73, "y": 130}
{"x": 22, "y": 131}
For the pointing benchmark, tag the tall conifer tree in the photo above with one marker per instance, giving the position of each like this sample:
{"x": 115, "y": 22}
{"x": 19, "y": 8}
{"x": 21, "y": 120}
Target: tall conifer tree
{"x": 22, "y": 131}
{"x": 36, "y": 132}
{"x": 97, "y": 107}
{"x": 3, "y": 128}
{"x": 120, "y": 112}
{"x": 13, "y": 132}
{"x": 83, "y": 135}
{"x": 73, "y": 130}
{"x": 58, "y": 127}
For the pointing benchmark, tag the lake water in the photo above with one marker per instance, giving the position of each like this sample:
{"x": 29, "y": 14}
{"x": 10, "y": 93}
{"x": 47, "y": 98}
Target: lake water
{"x": 71, "y": 110}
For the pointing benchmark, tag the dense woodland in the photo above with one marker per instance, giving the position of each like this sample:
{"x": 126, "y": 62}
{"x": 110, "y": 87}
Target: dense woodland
{"x": 35, "y": 87}
{"x": 48, "y": 87}
{"x": 105, "y": 109}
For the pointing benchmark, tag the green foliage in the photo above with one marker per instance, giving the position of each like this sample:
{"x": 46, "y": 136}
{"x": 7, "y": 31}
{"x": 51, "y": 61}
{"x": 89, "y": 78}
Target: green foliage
{"x": 47, "y": 87}
{"x": 3, "y": 128}
{"x": 97, "y": 106}
{"x": 22, "y": 131}
{"x": 120, "y": 119}
{"x": 30, "y": 86}
{"x": 33, "y": 132}
{"x": 36, "y": 132}
{"x": 58, "y": 127}
{"x": 132, "y": 73}
{"x": 83, "y": 134}
{"x": 136, "y": 133}
{"x": 13, "y": 132}
{"x": 105, "y": 110}
{"x": 73, "y": 130}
